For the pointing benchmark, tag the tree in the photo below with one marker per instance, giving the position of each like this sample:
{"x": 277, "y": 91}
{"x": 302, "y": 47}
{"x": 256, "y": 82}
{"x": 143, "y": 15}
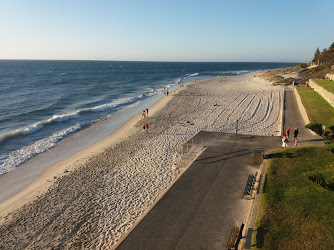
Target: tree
{"x": 331, "y": 48}
{"x": 317, "y": 55}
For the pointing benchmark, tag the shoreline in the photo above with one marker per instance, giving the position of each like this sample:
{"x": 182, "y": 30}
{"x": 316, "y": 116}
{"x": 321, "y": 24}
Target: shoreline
{"x": 109, "y": 187}
{"x": 40, "y": 185}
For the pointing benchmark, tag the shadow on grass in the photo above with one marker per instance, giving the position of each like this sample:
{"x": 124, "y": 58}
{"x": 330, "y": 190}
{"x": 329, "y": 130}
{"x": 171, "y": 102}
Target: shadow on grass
{"x": 260, "y": 232}
{"x": 264, "y": 184}
{"x": 281, "y": 155}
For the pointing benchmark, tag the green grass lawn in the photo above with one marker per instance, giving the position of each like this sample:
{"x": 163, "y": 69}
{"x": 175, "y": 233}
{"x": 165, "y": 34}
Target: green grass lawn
{"x": 317, "y": 108}
{"x": 328, "y": 85}
{"x": 295, "y": 212}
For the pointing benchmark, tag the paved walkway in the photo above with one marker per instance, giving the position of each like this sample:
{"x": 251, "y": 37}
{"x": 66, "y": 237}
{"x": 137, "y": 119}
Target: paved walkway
{"x": 200, "y": 209}
{"x": 293, "y": 119}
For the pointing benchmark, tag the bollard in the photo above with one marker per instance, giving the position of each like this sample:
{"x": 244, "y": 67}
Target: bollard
{"x": 236, "y": 130}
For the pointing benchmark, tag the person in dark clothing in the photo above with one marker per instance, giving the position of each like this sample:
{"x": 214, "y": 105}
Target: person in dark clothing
{"x": 295, "y": 134}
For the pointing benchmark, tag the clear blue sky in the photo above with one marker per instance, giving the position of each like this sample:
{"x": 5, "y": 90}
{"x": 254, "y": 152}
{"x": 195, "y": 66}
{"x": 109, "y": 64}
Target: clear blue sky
{"x": 166, "y": 30}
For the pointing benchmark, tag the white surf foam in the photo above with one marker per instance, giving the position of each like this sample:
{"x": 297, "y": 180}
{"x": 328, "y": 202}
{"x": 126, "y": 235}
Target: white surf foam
{"x": 112, "y": 104}
{"x": 31, "y": 129}
{"x": 62, "y": 118}
{"x": 10, "y": 161}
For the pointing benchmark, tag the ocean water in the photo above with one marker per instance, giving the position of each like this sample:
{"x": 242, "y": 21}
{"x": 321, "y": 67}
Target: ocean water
{"x": 43, "y": 102}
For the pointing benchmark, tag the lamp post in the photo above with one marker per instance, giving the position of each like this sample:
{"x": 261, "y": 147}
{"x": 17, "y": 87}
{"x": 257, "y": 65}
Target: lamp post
{"x": 236, "y": 129}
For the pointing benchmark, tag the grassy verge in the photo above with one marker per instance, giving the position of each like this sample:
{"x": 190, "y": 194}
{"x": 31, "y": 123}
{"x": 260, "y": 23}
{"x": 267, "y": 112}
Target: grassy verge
{"x": 295, "y": 212}
{"x": 317, "y": 108}
{"x": 328, "y": 85}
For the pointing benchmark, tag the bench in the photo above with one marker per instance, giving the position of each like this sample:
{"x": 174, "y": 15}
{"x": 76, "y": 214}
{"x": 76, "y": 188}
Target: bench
{"x": 250, "y": 184}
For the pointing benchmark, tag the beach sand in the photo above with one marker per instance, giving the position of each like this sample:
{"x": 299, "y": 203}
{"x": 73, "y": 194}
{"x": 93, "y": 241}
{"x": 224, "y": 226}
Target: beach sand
{"x": 94, "y": 197}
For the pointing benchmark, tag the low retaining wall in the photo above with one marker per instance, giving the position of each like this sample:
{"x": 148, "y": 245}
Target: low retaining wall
{"x": 330, "y": 76}
{"x": 282, "y": 112}
{"x": 328, "y": 96}
{"x": 302, "y": 109}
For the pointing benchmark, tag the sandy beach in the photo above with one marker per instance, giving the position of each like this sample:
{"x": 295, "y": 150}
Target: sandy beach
{"x": 95, "y": 197}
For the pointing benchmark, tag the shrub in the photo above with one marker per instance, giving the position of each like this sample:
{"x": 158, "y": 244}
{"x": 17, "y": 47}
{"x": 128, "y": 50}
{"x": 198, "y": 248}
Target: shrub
{"x": 330, "y": 136}
{"x": 316, "y": 127}
{"x": 284, "y": 81}
{"x": 330, "y": 183}
{"x": 331, "y": 127}
{"x": 330, "y": 146}
{"x": 324, "y": 177}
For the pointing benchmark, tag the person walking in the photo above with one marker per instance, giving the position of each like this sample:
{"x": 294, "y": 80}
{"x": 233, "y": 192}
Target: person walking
{"x": 284, "y": 142}
{"x": 295, "y": 135}
{"x": 287, "y": 133}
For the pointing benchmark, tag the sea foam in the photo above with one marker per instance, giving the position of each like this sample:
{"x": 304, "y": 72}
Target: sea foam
{"x": 31, "y": 129}
{"x": 65, "y": 117}
{"x": 11, "y": 160}
{"x": 110, "y": 105}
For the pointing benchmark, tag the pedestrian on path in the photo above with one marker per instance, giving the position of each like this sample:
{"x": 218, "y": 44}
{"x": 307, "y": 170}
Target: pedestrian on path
{"x": 284, "y": 142}
{"x": 295, "y": 133}
{"x": 287, "y": 133}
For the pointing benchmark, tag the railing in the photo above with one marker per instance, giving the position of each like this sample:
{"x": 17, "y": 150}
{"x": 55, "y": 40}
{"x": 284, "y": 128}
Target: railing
{"x": 250, "y": 185}
{"x": 190, "y": 149}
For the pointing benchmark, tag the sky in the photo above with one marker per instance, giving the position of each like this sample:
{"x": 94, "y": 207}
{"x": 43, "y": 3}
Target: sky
{"x": 161, "y": 30}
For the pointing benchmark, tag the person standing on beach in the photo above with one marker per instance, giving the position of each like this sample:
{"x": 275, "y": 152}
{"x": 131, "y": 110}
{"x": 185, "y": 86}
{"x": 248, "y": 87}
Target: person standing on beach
{"x": 146, "y": 128}
{"x": 146, "y": 113}
{"x": 143, "y": 129}
{"x": 143, "y": 114}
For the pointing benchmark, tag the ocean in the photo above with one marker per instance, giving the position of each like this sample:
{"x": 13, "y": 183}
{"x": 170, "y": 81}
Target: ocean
{"x": 44, "y": 102}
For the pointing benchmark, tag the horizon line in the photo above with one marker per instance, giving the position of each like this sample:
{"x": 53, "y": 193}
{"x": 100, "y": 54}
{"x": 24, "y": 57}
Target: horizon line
{"x": 104, "y": 60}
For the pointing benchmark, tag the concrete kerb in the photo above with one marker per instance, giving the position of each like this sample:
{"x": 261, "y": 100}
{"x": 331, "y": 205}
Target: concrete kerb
{"x": 246, "y": 242}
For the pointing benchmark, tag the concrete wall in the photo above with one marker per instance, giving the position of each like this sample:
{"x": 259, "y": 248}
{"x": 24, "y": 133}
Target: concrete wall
{"x": 328, "y": 96}
{"x": 301, "y": 107}
{"x": 330, "y": 76}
